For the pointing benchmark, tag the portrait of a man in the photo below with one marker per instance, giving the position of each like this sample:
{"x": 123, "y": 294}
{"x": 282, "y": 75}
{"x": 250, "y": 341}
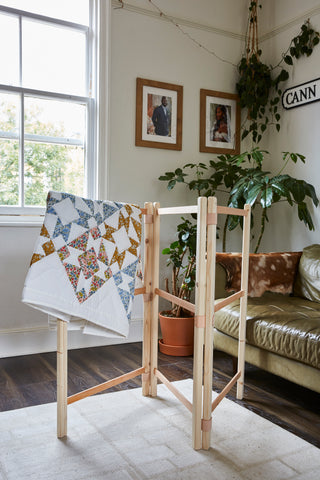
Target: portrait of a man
{"x": 159, "y": 115}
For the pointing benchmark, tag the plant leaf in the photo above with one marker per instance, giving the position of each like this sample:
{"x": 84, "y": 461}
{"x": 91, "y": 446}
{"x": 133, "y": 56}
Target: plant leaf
{"x": 304, "y": 215}
{"x": 288, "y": 60}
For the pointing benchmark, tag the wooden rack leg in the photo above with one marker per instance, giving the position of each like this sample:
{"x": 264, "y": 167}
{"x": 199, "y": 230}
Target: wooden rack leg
{"x": 208, "y": 339}
{"x": 199, "y": 330}
{"x": 243, "y": 301}
{"x": 155, "y": 299}
{"x": 146, "y": 345}
{"x": 62, "y": 378}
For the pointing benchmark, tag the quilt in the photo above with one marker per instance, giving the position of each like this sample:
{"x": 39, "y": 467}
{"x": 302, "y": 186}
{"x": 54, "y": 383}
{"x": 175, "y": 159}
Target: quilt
{"x": 86, "y": 263}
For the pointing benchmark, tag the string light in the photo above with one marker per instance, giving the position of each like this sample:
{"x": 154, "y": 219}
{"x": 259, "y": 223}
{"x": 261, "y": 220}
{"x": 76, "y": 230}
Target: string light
{"x": 189, "y": 36}
{"x": 192, "y": 39}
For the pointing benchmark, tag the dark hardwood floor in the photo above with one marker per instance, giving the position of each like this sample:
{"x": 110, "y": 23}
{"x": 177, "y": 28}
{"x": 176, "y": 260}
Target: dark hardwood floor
{"x": 31, "y": 380}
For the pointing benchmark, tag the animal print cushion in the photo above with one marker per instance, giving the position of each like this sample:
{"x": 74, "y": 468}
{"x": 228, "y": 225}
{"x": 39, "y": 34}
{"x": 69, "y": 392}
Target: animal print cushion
{"x": 274, "y": 272}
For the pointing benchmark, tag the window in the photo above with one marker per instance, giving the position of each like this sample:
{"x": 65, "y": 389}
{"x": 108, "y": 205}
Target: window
{"x": 47, "y": 104}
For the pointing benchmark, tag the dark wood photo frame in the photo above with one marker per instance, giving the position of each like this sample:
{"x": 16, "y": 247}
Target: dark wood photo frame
{"x": 219, "y": 122}
{"x": 158, "y": 114}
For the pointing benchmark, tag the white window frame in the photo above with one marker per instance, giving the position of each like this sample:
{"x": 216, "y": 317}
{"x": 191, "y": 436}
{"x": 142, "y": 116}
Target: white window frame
{"x": 11, "y": 213}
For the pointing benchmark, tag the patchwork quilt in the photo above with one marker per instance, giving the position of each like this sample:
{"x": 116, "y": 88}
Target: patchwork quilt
{"x": 86, "y": 263}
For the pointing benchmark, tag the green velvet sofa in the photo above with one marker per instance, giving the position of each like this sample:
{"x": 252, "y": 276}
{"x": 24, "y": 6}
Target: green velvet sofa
{"x": 283, "y": 329}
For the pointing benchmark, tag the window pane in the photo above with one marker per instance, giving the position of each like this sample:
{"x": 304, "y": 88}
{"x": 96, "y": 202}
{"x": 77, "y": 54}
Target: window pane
{"x": 55, "y": 118}
{"x": 9, "y": 172}
{"x": 9, "y": 51}
{"x": 54, "y": 58}
{"x": 9, "y": 113}
{"x": 52, "y": 167}
{"x": 72, "y": 10}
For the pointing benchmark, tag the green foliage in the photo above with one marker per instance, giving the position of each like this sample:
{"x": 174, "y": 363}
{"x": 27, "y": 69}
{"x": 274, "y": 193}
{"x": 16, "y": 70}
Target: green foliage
{"x": 258, "y": 187}
{"x": 46, "y": 166}
{"x": 258, "y": 85}
{"x": 242, "y": 177}
{"x": 182, "y": 259}
{"x": 179, "y": 176}
{"x": 9, "y": 172}
{"x": 302, "y": 44}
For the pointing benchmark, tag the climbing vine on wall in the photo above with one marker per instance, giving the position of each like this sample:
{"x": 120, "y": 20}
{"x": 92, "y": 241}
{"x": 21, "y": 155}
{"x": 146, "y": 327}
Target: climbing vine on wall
{"x": 259, "y": 85}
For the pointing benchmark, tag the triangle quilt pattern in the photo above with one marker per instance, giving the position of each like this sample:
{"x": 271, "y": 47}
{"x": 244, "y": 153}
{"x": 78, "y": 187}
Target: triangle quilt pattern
{"x": 107, "y": 250}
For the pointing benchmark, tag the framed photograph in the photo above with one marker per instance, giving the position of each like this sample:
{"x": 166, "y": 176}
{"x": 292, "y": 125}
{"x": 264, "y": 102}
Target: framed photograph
{"x": 219, "y": 122}
{"x": 158, "y": 114}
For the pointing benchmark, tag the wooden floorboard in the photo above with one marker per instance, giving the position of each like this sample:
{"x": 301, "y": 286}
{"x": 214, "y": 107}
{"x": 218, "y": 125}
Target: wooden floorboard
{"x": 31, "y": 380}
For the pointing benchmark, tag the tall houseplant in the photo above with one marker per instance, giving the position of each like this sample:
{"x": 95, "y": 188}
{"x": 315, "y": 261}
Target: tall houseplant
{"x": 243, "y": 178}
{"x": 177, "y": 324}
{"x": 258, "y": 187}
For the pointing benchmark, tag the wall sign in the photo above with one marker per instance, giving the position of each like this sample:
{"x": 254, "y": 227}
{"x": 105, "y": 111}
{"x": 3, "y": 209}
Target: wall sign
{"x": 301, "y": 94}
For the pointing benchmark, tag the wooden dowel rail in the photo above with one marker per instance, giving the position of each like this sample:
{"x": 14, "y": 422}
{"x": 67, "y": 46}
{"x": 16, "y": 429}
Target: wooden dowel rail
{"x": 208, "y": 337}
{"x": 147, "y": 281}
{"x": 224, "y": 392}
{"x": 175, "y": 300}
{"x": 104, "y": 386}
{"x": 199, "y": 337}
{"x": 232, "y": 211}
{"x": 178, "y": 210}
{"x": 173, "y": 390}
{"x": 222, "y": 303}
{"x": 194, "y": 209}
{"x": 140, "y": 291}
{"x": 243, "y": 301}
{"x": 62, "y": 377}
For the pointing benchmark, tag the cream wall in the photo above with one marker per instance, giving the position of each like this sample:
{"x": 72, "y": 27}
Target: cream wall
{"x": 299, "y": 126}
{"x": 141, "y": 46}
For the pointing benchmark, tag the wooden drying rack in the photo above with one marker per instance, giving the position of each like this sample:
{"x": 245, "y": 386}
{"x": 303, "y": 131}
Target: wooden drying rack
{"x": 204, "y": 308}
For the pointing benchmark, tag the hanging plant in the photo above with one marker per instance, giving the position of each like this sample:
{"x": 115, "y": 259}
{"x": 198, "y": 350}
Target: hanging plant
{"x": 259, "y": 85}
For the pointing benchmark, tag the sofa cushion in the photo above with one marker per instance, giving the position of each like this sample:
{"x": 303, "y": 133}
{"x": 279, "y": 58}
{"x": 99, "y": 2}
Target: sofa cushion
{"x": 287, "y": 326}
{"x": 307, "y": 284}
{"x": 274, "y": 272}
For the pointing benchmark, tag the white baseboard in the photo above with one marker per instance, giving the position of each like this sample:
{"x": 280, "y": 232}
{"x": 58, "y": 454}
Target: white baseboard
{"x": 27, "y": 341}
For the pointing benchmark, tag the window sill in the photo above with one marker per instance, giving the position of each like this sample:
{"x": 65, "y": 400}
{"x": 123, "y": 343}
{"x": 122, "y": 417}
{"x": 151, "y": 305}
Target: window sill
{"x": 21, "y": 220}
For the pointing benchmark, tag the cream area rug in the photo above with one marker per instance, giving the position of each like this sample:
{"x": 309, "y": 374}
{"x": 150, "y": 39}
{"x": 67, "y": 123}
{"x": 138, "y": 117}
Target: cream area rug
{"x": 125, "y": 436}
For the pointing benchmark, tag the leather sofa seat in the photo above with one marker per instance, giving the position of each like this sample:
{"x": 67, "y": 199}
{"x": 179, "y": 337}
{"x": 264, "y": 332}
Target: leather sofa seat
{"x": 288, "y": 328}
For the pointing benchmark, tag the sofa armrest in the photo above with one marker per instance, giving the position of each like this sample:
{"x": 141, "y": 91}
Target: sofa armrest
{"x": 221, "y": 282}
{"x": 273, "y": 272}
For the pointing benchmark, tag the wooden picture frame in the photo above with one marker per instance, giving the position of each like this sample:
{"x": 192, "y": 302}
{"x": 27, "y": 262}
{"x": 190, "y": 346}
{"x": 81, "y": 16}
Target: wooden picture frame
{"x": 158, "y": 121}
{"x": 219, "y": 122}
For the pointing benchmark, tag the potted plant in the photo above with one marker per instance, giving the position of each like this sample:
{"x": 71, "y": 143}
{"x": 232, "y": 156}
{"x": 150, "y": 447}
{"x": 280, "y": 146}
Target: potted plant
{"x": 177, "y": 324}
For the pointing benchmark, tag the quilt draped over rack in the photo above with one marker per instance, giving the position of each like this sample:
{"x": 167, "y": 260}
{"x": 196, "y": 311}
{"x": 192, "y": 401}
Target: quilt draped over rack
{"x": 86, "y": 263}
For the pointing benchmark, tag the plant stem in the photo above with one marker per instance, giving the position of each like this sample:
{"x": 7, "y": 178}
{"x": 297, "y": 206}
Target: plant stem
{"x": 284, "y": 166}
{"x": 224, "y": 238}
{"x": 262, "y": 227}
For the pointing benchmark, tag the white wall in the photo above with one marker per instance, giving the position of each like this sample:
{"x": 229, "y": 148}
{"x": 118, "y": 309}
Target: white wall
{"x": 299, "y": 126}
{"x": 141, "y": 46}
{"x": 144, "y": 46}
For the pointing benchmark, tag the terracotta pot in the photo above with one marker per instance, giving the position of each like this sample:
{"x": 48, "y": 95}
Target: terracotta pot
{"x": 177, "y": 335}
